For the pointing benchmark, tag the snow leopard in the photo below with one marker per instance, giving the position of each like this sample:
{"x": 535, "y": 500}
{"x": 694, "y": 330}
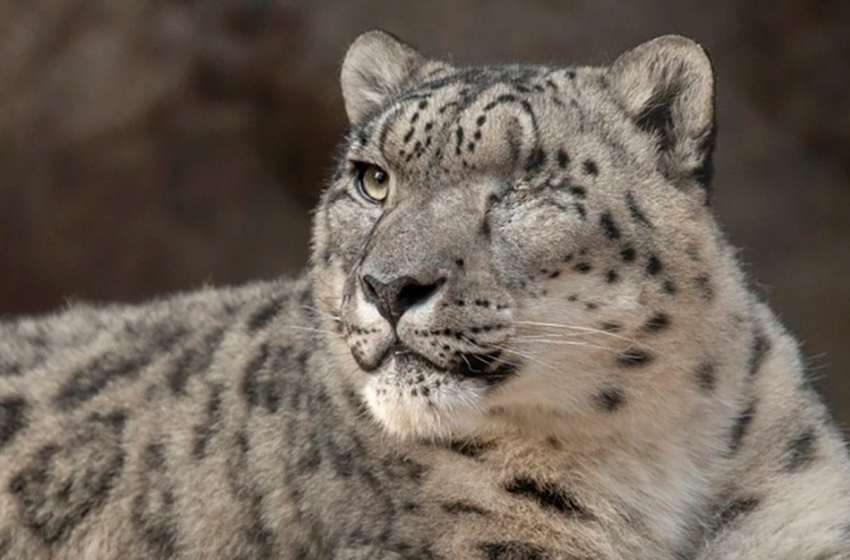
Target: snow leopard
{"x": 522, "y": 335}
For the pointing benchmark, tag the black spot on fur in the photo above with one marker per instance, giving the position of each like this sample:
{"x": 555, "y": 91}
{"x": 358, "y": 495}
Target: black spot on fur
{"x": 608, "y": 226}
{"x": 740, "y": 427}
{"x": 658, "y": 322}
{"x": 470, "y": 448}
{"x": 635, "y": 212}
{"x": 265, "y": 315}
{"x": 563, "y": 159}
{"x": 589, "y": 167}
{"x": 759, "y": 349}
{"x": 13, "y": 418}
{"x": 733, "y": 511}
{"x": 583, "y": 267}
{"x": 611, "y": 276}
{"x": 800, "y": 453}
{"x": 485, "y": 228}
{"x": 628, "y": 254}
{"x": 633, "y": 358}
{"x": 706, "y": 376}
{"x": 581, "y": 210}
{"x": 548, "y": 495}
{"x": 536, "y": 160}
{"x": 463, "y": 507}
{"x": 579, "y": 192}
{"x": 512, "y": 550}
{"x": 458, "y": 140}
{"x": 610, "y": 399}
{"x": 653, "y": 265}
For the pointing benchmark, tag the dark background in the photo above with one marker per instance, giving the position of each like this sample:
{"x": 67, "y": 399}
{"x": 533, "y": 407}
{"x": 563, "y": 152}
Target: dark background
{"x": 148, "y": 146}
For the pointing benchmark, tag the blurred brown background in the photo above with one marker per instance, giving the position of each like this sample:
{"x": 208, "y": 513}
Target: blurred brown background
{"x": 148, "y": 146}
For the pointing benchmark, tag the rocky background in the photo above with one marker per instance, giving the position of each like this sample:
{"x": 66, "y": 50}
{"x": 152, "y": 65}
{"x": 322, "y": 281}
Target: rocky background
{"x": 148, "y": 146}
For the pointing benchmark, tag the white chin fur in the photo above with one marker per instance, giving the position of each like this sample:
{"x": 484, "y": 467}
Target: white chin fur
{"x": 451, "y": 409}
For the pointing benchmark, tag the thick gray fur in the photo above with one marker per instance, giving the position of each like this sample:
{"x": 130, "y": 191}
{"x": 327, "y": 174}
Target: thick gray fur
{"x": 539, "y": 346}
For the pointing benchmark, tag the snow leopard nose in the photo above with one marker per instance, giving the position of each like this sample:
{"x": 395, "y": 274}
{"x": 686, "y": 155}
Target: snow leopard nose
{"x": 394, "y": 298}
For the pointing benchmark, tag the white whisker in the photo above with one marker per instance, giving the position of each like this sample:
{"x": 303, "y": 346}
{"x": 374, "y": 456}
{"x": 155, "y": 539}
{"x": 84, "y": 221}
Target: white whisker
{"x": 529, "y": 357}
{"x": 310, "y": 329}
{"x": 324, "y": 313}
{"x": 574, "y": 327}
{"x": 571, "y": 343}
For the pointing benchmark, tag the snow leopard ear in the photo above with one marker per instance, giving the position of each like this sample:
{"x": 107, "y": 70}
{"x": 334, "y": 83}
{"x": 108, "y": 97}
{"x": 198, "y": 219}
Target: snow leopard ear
{"x": 667, "y": 87}
{"x": 375, "y": 65}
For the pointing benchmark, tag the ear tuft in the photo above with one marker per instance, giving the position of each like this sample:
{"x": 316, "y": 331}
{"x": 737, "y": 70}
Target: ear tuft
{"x": 667, "y": 87}
{"x": 375, "y": 65}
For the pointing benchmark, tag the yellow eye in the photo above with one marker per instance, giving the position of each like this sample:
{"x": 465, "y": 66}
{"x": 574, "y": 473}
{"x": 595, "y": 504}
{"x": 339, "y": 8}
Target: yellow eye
{"x": 373, "y": 182}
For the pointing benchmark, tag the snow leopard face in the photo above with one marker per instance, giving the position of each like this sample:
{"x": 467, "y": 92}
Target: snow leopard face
{"x": 500, "y": 240}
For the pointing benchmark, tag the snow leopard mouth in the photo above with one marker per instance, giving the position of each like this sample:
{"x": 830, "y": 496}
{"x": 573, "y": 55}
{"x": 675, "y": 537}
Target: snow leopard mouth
{"x": 488, "y": 367}
{"x": 412, "y": 396}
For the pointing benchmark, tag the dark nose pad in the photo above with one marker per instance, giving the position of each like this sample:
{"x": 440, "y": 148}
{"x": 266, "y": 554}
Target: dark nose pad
{"x": 394, "y": 298}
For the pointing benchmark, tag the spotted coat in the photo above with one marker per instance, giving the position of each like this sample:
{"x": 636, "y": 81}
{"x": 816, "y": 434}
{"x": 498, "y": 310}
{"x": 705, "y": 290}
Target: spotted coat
{"x": 522, "y": 336}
